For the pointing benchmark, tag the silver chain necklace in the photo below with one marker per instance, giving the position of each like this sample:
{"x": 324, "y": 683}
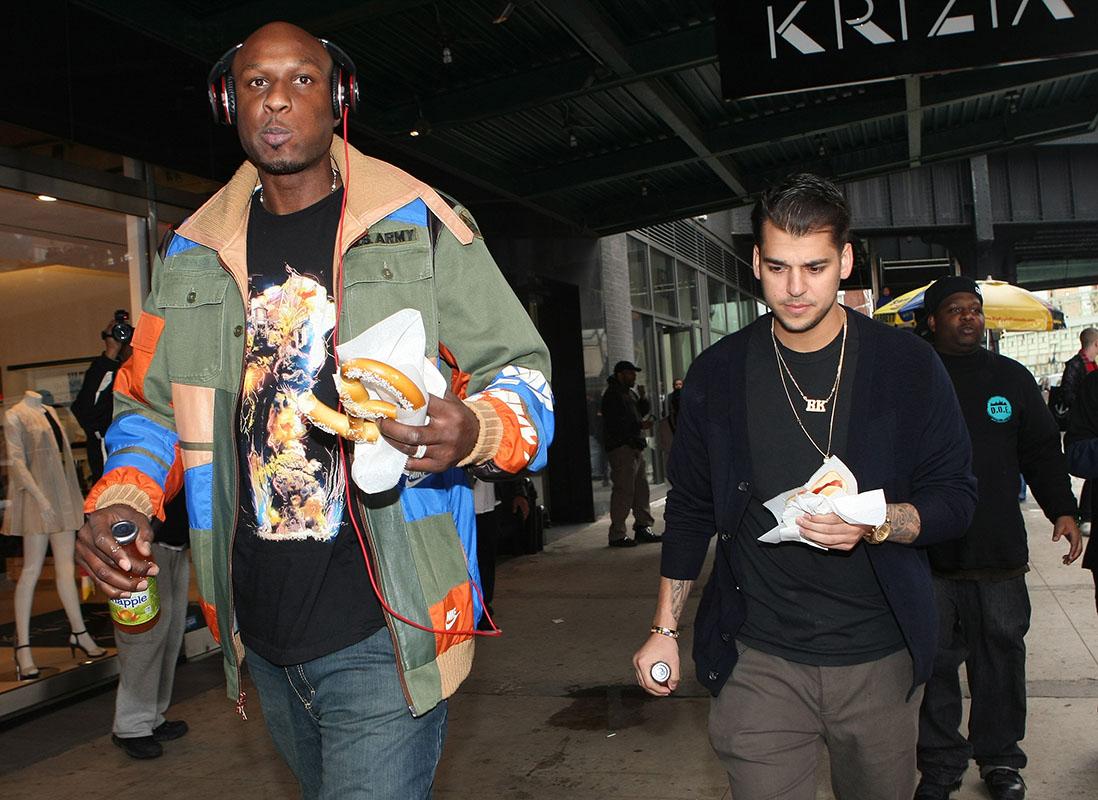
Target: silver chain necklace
{"x": 783, "y": 369}
{"x": 331, "y": 190}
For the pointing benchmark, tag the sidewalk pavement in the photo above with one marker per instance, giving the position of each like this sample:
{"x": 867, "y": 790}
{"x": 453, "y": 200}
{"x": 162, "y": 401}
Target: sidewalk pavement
{"x": 551, "y": 710}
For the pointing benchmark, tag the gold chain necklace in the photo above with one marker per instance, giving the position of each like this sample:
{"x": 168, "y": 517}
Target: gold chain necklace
{"x": 783, "y": 369}
{"x": 331, "y": 190}
{"x": 810, "y": 403}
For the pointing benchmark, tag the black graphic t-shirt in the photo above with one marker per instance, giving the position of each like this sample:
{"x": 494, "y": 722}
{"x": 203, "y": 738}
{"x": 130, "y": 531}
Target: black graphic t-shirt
{"x": 300, "y": 584}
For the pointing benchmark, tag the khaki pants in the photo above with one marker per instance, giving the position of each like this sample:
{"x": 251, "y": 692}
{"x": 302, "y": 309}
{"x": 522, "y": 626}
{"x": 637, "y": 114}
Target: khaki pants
{"x": 629, "y": 491}
{"x": 772, "y": 715}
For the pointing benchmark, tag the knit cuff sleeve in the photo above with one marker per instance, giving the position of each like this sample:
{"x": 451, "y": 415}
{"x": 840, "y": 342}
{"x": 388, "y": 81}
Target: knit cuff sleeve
{"x": 123, "y": 494}
{"x": 490, "y": 436}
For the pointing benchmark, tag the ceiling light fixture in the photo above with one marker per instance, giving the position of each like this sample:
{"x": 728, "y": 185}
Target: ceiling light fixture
{"x": 504, "y": 14}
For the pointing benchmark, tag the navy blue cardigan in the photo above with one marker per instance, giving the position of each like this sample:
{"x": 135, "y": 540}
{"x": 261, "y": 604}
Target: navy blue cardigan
{"x": 907, "y": 436}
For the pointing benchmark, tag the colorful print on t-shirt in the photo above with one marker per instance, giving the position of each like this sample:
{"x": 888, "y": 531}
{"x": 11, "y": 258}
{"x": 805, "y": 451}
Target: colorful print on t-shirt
{"x": 296, "y": 477}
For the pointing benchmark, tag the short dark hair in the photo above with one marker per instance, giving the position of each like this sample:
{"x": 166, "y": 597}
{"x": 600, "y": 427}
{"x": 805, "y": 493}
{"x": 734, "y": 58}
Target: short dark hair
{"x": 802, "y": 204}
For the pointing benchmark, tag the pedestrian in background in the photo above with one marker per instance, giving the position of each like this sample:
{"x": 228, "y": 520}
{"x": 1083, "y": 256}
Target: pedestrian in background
{"x": 625, "y": 419}
{"x": 979, "y": 580}
{"x": 1076, "y": 370}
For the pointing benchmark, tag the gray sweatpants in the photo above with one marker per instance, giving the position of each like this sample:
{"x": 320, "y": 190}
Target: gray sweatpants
{"x": 147, "y": 660}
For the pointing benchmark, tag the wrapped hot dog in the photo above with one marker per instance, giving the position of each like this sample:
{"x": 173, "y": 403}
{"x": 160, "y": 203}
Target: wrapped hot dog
{"x": 832, "y": 489}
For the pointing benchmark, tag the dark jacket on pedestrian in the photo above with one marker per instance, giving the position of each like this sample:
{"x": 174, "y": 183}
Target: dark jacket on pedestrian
{"x": 1081, "y": 445}
{"x": 1071, "y": 382}
{"x": 623, "y": 413}
{"x": 1013, "y": 433}
{"x": 93, "y": 408}
{"x": 909, "y": 440}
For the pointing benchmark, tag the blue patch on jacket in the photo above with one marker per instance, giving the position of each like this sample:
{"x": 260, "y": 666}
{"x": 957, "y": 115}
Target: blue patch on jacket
{"x": 415, "y": 213}
{"x": 448, "y": 492}
{"x": 178, "y": 245}
{"x": 135, "y": 431}
{"x": 199, "y": 483}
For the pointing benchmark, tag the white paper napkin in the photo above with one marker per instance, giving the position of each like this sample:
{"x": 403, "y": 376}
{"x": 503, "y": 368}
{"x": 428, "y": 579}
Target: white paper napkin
{"x": 399, "y": 341}
{"x": 832, "y": 489}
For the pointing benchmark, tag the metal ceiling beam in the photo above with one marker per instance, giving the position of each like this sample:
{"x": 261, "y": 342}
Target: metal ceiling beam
{"x": 645, "y": 159}
{"x": 593, "y": 33}
{"x": 973, "y": 84}
{"x": 934, "y": 92}
{"x": 1011, "y": 130}
{"x": 554, "y": 83}
{"x": 212, "y": 34}
{"x": 459, "y": 163}
{"x": 913, "y": 92}
{"x": 687, "y": 202}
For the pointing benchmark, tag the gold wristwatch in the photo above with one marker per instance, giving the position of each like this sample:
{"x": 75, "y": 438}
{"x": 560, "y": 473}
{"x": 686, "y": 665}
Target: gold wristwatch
{"x": 882, "y": 531}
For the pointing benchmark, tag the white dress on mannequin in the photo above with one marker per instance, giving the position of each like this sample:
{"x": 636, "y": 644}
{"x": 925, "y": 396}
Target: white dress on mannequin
{"x": 45, "y": 508}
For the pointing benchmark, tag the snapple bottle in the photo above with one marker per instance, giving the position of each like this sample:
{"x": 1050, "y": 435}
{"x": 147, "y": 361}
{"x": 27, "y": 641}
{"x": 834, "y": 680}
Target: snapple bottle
{"x": 141, "y": 610}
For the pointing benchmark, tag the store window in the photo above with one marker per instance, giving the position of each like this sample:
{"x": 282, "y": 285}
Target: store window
{"x": 688, "y": 293}
{"x": 639, "y": 289}
{"x": 65, "y": 269}
{"x": 718, "y": 315}
{"x": 663, "y": 283}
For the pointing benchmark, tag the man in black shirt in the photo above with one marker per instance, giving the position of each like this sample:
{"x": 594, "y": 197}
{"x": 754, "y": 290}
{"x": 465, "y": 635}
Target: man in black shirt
{"x": 979, "y": 580}
{"x": 805, "y": 645}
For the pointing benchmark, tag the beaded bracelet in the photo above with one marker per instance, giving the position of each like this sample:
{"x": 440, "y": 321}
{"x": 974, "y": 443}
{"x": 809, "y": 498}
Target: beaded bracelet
{"x": 674, "y": 634}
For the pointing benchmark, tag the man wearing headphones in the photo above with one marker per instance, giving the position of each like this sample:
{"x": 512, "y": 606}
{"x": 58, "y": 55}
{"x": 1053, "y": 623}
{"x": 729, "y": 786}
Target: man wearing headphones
{"x": 356, "y": 613}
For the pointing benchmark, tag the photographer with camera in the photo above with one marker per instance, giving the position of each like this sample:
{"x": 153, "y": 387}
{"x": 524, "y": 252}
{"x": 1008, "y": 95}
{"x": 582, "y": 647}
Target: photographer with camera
{"x": 94, "y": 404}
{"x": 147, "y": 660}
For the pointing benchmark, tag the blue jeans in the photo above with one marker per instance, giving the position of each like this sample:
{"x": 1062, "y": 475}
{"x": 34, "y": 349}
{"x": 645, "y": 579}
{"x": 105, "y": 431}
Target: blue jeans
{"x": 983, "y": 625}
{"x": 343, "y": 726}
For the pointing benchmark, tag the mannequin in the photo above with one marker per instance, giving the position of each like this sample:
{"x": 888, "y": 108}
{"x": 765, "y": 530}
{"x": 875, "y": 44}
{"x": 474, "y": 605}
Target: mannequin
{"x": 45, "y": 509}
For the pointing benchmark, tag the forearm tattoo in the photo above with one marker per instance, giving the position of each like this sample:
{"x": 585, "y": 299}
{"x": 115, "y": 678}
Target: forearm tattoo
{"x": 679, "y": 592}
{"x": 905, "y": 522}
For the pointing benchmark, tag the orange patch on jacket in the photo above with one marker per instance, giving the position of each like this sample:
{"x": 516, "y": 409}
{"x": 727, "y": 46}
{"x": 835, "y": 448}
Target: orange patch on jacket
{"x": 130, "y": 380}
{"x": 519, "y": 443}
{"x": 209, "y": 612}
{"x": 454, "y": 612}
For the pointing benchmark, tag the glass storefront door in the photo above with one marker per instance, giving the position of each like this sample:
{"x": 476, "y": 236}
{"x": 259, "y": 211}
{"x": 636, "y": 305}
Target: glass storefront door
{"x": 65, "y": 269}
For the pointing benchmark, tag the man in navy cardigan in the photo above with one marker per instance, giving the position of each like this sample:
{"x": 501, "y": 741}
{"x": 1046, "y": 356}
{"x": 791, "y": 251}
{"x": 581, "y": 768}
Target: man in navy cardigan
{"x": 829, "y": 638}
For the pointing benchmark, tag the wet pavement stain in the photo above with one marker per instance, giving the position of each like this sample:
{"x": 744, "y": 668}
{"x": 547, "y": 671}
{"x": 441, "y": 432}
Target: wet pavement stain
{"x": 609, "y": 708}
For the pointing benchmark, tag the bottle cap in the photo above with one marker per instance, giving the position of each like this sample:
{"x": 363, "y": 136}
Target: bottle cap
{"x": 660, "y": 672}
{"x": 124, "y": 531}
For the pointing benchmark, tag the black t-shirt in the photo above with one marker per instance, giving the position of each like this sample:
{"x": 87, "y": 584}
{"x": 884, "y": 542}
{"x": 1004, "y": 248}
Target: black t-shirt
{"x": 810, "y": 606}
{"x": 300, "y": 584}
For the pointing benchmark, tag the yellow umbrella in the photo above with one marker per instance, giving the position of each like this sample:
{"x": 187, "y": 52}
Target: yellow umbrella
{"x": 1006, "y": 308}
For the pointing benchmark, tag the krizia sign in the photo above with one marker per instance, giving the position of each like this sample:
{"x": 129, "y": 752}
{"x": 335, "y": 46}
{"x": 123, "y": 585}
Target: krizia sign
{"x": 791, "y": 45}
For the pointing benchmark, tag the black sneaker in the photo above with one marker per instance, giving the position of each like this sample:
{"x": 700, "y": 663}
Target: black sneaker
{"x": 1005, "y": 784}
{"x": 935, "y": 791}
{"x": 141, "y": 747}
{"x": 625, "y": 541}
{"x": 645, "y": 536}
{"x": 170, "y": 729}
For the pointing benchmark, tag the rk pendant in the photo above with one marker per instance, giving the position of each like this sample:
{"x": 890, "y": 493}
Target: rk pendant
{"x": 819, "y": 406}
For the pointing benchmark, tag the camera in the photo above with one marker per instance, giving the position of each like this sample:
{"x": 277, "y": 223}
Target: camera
{"x": 121, "y": 331}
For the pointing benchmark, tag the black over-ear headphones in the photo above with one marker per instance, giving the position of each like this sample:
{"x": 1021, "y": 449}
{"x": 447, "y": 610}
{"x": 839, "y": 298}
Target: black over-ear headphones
{"x": 222, "y": 89}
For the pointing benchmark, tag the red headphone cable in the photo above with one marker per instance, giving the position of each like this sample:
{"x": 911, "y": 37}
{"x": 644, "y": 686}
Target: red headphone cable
{"x": 495, "y": 631}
